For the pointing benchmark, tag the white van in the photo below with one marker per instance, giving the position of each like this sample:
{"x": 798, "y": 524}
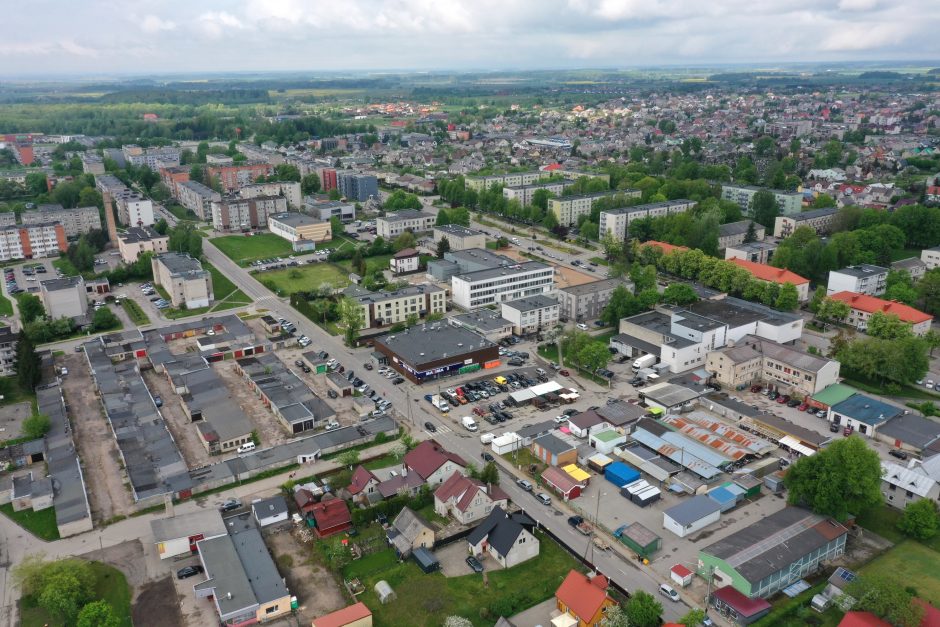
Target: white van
{"x": 486, "y": 438}
{"x": 247, "y": 447}
{"x": 469, "y": 423}
{"x": 582, "y": 326}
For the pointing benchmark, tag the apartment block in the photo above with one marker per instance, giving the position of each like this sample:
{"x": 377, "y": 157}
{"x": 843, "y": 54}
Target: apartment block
{"x": 300, "y": 229}
{"x": 214, "y": 159}
{"x": 931, "y": 257}
{"x": 138, "y": 240}
{"x": 288, "y": 189}
{"x": 197, "y": 198}
{"x": 74, "y": 221}
{"x": 755, "y": 252}
{"x": 7, "y": 351}
{"x": 244, "y": 214}
{"x": 734, "y": 233}
{"x": 460, "y": 237}
{"x": 92, "y": 163}
{"x": 153, "y": 158}
{"x": 862, "y": 307}
{"x": 588, "y": 300}
{"x": 172, "y": 177}
{"x": 790, "y": 203}
{"x": 233, "y": 177}
{"x": 396, "y": 223}
{"x": 357, "y": 186}
{"x": 32, "y": 241}
{"x": 525, "y": 193}
{"x": 820, "y": 220}
{"x": 861, "y": 279}
{"x": 507, "y": 180}
{"x": 500, "y": 284}
{"x": 381, "y": 309}
{"x": 327, "y": 179}
{"x": 184, "y": 279}
{"x": 568, "y": 209}
{"x": 64, "y": 298}
{"x": 532, "y": 314}
{"x": 617, "y": 221}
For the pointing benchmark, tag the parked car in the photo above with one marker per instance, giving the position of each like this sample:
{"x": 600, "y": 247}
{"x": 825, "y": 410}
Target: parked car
{"x": 833, "y": 427}
{"x": 543, "y": 498}
{"x": 802, "y": 407}
{"x": 367, "y": 366}
{"x": 474, "y": 564}
{"x": 398, "y": 380}
{"x": 897, "y": 453}
{"x": 669, "y": 592}
{"x": 229, "y": 505}
{"x": 189, "y": 571}
{"x": 524, "y": 484}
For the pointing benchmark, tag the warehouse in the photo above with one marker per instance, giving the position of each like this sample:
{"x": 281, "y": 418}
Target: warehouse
{"x": 692, "y": 515}
{"x": 433, "y": 351}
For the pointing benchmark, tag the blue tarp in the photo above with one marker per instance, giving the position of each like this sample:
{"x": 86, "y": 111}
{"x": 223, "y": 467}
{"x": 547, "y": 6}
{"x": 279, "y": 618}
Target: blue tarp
{"x": 621, "y": 474}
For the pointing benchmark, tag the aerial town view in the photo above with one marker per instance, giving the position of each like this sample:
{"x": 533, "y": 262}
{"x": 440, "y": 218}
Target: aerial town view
{"x": 591, "y": 313}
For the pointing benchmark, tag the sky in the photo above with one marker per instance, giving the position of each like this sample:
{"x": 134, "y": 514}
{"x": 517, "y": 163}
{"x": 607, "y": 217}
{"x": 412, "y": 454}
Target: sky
{"x": 97, "y": 37}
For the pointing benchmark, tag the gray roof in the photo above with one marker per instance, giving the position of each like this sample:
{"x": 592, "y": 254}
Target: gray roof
{"x": 596, "y": 286}
{"x": 269, "y": 507}
{"x": 284, "y": 389}
{"x": 178, "y": 263}
{"x": 751, "y": 346}
{"x": 482, "y": 319}
{"x": 426, "y": 343}
{"x": 541, "y": 184}
{"x": 670, "y": 394}
{"x": 620, "y": 413}
{"x": 692, "y": 510}
{"x": 366, "y": 297}
{"x": 479, "y": 257}
{"x": 70, "y": 499}
{"x": 294, "y": 219}
{"x": 736, "y": 312}
{"x": 862, "y": 270}
{"x": 405, "y": 214}
{"x": 552, "y": 444}
{"x": 772, "y": 420}
{"x": 737, "y": 228}
{"x": 139, "y": 234}
{"x": 532, "y": 303}
{"x": 813, "y": 213}
{"x": 635, "y": 342}
{"x": 500, "y": 529}
{"x": 911, "y": 429}
{"x": 492, "y": 273}
{"x": 207, "y": 522}
{"x": 536, "y": 430}
{"x": 457, "y": 230}
{"x": 910, "y": 262}
{"x": 51, "y": 285}
{"x": 409, "y": 524}
{"x": 651, "y": 205}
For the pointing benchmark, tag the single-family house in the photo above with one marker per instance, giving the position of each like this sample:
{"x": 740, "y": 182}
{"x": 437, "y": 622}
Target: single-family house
{"x": 583, "y": 598}
{"x": 562, "y": 483}
{"x": 508, "y": 538}
{"x": 331, "y": 516}
{"x": 408, "y": 531}
{"x": 270, "y": 511}
{"x": 467, "y": 500}
{"x": 433, "y": 462}
{"x": 363, "y": 486}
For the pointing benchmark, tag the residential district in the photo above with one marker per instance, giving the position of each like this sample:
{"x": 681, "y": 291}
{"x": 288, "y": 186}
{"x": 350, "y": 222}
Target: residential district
{"x": 630, "y": 356}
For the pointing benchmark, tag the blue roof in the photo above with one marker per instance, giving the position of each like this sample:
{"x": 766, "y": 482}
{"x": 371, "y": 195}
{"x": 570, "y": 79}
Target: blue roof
{"x": 866, "y": 409}
{"x": 721, "y": 495}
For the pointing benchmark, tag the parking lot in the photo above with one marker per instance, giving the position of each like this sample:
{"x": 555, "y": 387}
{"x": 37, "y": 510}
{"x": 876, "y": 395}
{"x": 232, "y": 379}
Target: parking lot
{"x": 27, "y": 275}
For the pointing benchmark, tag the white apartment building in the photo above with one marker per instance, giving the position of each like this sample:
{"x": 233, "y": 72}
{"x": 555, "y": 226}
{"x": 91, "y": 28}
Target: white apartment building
{"x": 568, "y": 209}
{"x": 288, "y": 189}
{"x": 197, "y": 197}
{"x": 931, "y": 257}
{"x": 508, "y": 180}
{"x": 396, "y": 223}
{"x": 861, "y": 279}
{"x": 820, "y": 220}
{"x": 617, "y": 221}
{"x": 588, "y": 300}
{"x": 153, "y": 158}
{"x": 473, "y": 290}
{"x": 790, "y": 203}
{"x": 532, "y": 314}
{"x": 32, "y": 241}
{"x": 75, "y": 221}
{"x": 525, "y": 193}
{"x": 138, "y": 240}
{"x": 132, "y": 208}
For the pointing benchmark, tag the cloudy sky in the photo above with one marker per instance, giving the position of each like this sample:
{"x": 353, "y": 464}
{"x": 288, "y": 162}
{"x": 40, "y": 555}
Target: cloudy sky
{"x": 141, "y": 36}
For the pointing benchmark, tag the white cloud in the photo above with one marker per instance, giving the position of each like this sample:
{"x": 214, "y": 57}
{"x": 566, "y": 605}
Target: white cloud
{"x": 216, "y": 23}
{"x": 153, "y": 24}
{"x": 857, "y": 5}
{"x": 866, "y": 36}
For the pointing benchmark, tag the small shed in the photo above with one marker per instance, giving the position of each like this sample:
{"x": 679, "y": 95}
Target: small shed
{"x": 749, "y": 483}
{"x": 598, "y": 463}
{"x": 562, "y": 483}
{"x": 578, "y": 474}
{"x": 680, "y": 575}
{"x": 506, "y": 443}
{"x": 774, "y": 482}
{"x": 641, "y": 540}
{"x": 426, "y": 560}
{"x": 628, "y": 491}
{"x": 724, "y": 497}
{"x": 651, "y": 494}
{"x": 339, "y": 384}
{"x": 606, "y": 441}
{"x": 384, "y": 592}
{"x": 620, "y": 474}
{"x": 692, "y": 515}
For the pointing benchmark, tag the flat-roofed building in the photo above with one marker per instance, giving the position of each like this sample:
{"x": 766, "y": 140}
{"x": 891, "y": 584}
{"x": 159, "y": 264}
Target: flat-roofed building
{"x": 532, "y": 314}
{"x": 300, "y": 229}
{"x": 384, "y": 308}
{"x": 197, "y": 198}
{"x": 7, "y": 351}
{"x": 428, "y": 352}
{"x": 588, "y": 300}
{"x": 790, "y": 203}
{"x": 525, "y": 193}
{"x": 395, "y": 223}
{"x": 92, "y": 163}
{"x": 32, "y": 241}
{"x": 244, "y": 214}
{"x": 820, "y": 220}
{"x": 288, "y": 189}
{"x": 74, "y": 222}
{"x": 735, "y": 233}
{"x": 485, "y": 322}
{"x": 460, "y": 237}
{"x": 616, "y": 222}
{"x": 64, "y": 298}
{"x": 568, "y": 209}
{"x": 931, "y": 257}
{"x": 864, "y": 278}
{"x": 755, "y": 252}
{"x": 184, "y": 279}
{"x": 325, "y": 210}
{"x": 233, "y": 177}
{"x": 138, "y": 240}
{"x": 478, "y": 183}
{"x": 473, "y": 290}
{"x": 357, "y": 186}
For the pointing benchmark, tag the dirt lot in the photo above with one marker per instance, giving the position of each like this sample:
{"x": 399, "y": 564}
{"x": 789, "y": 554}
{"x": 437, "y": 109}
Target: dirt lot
{"x": 107, "y": 493}
{"x": 11, "y": 419}
{"x": 316, "y": 589}
{"x": 269, "y": 428}
{"x": 183, "y": 430}
{"x": 156, "y": 605}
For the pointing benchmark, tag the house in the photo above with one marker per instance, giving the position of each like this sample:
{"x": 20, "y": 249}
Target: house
{"x": 363, "y": 486}
{"x": 508, "y": 538}
{"x": 433, "y": 463}
{"x": 357, "y": 615}
{"x": 734, "y": 233}
{"x": 467, "y": 499}
{"x": 562, "y": 483}
{"x": 409, "y": 531}
{"x": 331, "y": 516}
{"x": 404, "y": 261}
{"x": 917, "y": 480}
{"x": 691, "y": 515}
{"x": 738, "y": 608}
{"x": 861, "y": 279}
{"x": 583, "y": 598}
{"x": 400, "y": 483}
{"x": 863, "y": 413}
{"x": 914, "y": 267}
{"x": 554, "y": 451}
{"x": 862, "y": 307}
{"x": 584, "y": 424}
{"x": 773, "y": 552}
{"x": 780, "y": 276}
{"x": 931, "y": 257}
{"x": 270, "y": 511}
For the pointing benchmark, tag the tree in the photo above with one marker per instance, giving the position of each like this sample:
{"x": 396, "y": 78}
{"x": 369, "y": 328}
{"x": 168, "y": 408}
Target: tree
{"x": 30, "y": 308}
{"x": 751, "y": 235}
{"x": 490, "y": 474}
{"x": 540, "y": 198}
{"x": 764, "y": 208}
{"x": 285, "y": 172}
{"x": 403, "y": 241}
{"x": 681, "y": 294}
{"x": 883, "y": 597}
{"x": 36, "y": 183}
{"x": 643, "y": 277}
{"x": 104, "y": 319}
{"x": 842, "y": 479}
{"x": 334, "y": 194}
{"x": 348, "y": 458}
{"x": 888, "y": 326}
{"x": 98, "y": 614}
{"x": 550, "y": 221}
{"x": 788, "y": 298}
{"x": 28, "y": 364}
{"x": 162, "y": 226}
{"x": 823, "y": 201}
{"x": 693, "y": 618}
{"x": 643, "y": 610}
{"x": 921, "y": 520}
{"x": 900, "y": 287}
{"x": 310, "y": 184}
{"x": 350, "y": 314}
{"x": 831, "y": 309}
{"x": 61, "y": 587}
{"x": 36, "y": 426}
{"x": 185, "y": 238}
{"x": 593, "y": 356}
{"x": 443, "y": 246}
{"x": 615, "y": 617}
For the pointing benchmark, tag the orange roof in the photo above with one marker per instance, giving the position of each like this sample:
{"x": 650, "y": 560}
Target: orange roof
{"x": 862, "y": 619}
{"x": 667, "y": 248}
{"x": 871, "y": 304}
{"x": 769, "y": 273}
{"x": 582, "y": 596}
{"x": 342, "y": 617}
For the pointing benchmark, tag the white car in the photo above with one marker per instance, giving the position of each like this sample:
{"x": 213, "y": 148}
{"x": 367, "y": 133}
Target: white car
{"x": 669, "y": 592}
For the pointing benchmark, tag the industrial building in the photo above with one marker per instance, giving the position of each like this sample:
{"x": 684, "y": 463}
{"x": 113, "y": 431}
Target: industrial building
{"x": 428, "y": 352}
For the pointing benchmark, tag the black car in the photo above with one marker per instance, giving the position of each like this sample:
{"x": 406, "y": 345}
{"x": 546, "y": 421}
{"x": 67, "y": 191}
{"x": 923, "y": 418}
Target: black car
{"x": 430, "y": 427}
{"x": 398, "y": 380}
{"x": 574, "y": 521}
{"x": 299, "y": 363}
{"x": 188, "y": 571}
{"x": 897, "y": 453}
{"x": 230, "y": 505}
{"x": 487, "y": 457}
{"x": 475, "y": 564}
{"x": 305, "y": 368}
{"x": 833, "y": 427}
{"x": 367, "y": 366}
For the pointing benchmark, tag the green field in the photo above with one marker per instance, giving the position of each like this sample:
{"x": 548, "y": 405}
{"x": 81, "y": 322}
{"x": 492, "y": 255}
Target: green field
{"x": 6, "y": 307}
{"x": 41, "y": 524}
{"x": 912, "y": 563}
{"x": 244, "y": 250}
{"x": 304, "y": 278}
{"x": 223, "y": 288}
{"x": 110, "y": 585}
{"x": 379, "y": 262}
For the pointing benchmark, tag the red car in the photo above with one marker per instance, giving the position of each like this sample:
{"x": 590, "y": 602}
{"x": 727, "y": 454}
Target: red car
{"x": 479, "y": 411}
{"x": 802, "y": 407}
{"x": 756, "y": 388}
{"x": 783, "y": 399}
{"x": 564, "y": 373}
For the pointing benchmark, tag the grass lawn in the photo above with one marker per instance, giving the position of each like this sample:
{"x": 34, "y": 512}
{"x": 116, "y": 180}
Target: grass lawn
{"x": 223, "y": 288}
{"x": 905, "y": 253}
{"x": 382, "y": 462}
{"x": 12, "y": 392}
{"x": 181, "y": 212}
{"x": 66, "y": 266}
{"x": 379, "y": 262}
{"x": 110, "y": 585}
{"x": 884, "y": 521}
{"x": 246, "y": 249}
{"x": 599, "y": 261}
{"x": 429, "y": 599}
{"x": 134, "y": 312}
{"x": 786, "y": 611}
{"x": 867, "y": 385}
{"x": 304, "y": 278}
{"x": 912, "y": 563}
{"x": 6, "y": 306}
{"x": 41, "y": 524}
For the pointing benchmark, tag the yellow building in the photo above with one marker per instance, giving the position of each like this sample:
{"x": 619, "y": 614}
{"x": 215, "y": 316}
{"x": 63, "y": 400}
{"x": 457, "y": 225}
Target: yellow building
{"x": 295, "y": 227}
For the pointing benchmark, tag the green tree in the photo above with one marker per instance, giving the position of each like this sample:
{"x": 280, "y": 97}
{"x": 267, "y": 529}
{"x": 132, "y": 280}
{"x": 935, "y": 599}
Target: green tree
{"x": 104, "y": 320}
{"x": 679, "y": 294}
{"x": 90, "y": 197}
{"x": 490, "y": 474}
{"x": 310, "y": 184}
{"x": 643, "y": 277}
{"x": 36, "y": 426}
{"x": 764, "y": 208}
{"x": 823, "y": 201}
{"x": 30, "y": 308}
{"x": 693, "y": 618}
{"x": 615, "y": 617}
{"x": 443, "y": 246}
{"x": 540, "y": 198}
{"x": 28, "y": 364}
{"x": 751, "y": 235}
{"x": 403, "y": 241}
{"x": 921, "y": 520}
{"x": 842, "y": 479}
{"x": 550, "y": 221}
{"x": 197, "y": 173}
{"x": 98, "y": 614}
{"x": 36, "y": 183}
{"x": 285, "y": 172}
{"x": 900, "y": 287}
{"x": 61, "y": 587}
{"x": 883, "y": 597}
{"x": 348, "y": 458}
{"x": 888, "y": 326}
{"x": 443, "y": 217}
{"x": 643, "y": 610}
{"x": 831, "y": 310}
{"x": 594, "y": 355}
{"x": 788, "y": 299}
{"x": 334, "y": 194}
{"x": 350, "y": 314}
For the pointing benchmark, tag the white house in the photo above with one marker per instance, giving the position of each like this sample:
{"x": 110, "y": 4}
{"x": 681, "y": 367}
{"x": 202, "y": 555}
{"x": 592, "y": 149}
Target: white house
{"x": 270, "y": 511}
{"x": 467, "y": 500}
{"x": 506, "y": 537}
{"x": 404, "y": 261}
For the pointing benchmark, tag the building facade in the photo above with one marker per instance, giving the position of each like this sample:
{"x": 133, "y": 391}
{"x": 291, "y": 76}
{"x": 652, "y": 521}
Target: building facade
{"x": 616, "y": 222}
{"x": 32, "y": 241}
{"x": 184, "y": 279}
{"x": 357, "y": 186}
{"x": 588, "y": 300}
{"x": 138, "y": 240}
{"x": 64, "y": 298}
{"x": 790, "y": 203}
{"x": 75, "y": 221}
{"x": 460, "y": 237}
{"x": 288, "y": 189}
{"x": 497, "y": 285}
{"x": 861, "y": 279}
{"x": 532, "y": 314}
{"x": 296, "y": 227}
{"x": 394, "y": 224}
{"x": 862, "y": 307}
{"x": 233, "y": 177}
{"x": 820, "y": 220}
{"x": 568, "y": 209}
{"x": 7, "y": 351}
{"x": 385, "y": 308}
{"x": 197, "y": 198}
{"x": 244, "y": 214}
{"x": 523, "y": 194}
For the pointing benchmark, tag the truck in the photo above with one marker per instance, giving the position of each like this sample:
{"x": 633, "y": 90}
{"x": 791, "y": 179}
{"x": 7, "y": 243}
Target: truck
{"x": 583, "y": 527}
{"x": 644, "y": 362}
{"x": 468, "y": 423}
{"x": 438, "y": 402}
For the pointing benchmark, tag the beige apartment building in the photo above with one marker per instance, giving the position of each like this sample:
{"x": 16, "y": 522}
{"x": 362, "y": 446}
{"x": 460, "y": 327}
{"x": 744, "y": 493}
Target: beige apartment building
{"x": 931, "y": 257}
{"x": 197, "y": 198}
{"x": 381, "y": 309}
{"x": 525, "y": 193}
{"x": 460, "y": 237}
{"x": 617, "y": 221}
{"x": 138, "y": 240}
{"x": 820, "y": 220}
{"x": 74, "y": 222}
{"x": 64, "y": 298}
{"x": 568, "y": 209}
{"x": 184, "y": 279}
{"x": 243, "y": 214}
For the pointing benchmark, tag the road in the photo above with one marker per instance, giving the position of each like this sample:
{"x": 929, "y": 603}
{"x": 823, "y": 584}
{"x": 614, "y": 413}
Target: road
{"x": 408, "y": 400}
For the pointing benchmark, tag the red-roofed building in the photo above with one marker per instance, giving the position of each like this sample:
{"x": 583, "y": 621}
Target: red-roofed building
{"x": 468, "y": 500}
{"x": 770, "y": 274}
{"x": 584, "y": 599}
{"x": 331, "y": 517}
{"x": 931, "y": 614}
{"x": 933, "y": 193}
{"x": 666, "y": 248}
{"x": 551, "y": 167}
{"x": 562, "y": 483}
{"x": 363, "y": 486}
{"x": 433, "y": 462}
{"x": 863, "y": 307}
{"x": 738, "y": 608}
{"x": 862, "y": 619}
{"x": 357, "y": 615}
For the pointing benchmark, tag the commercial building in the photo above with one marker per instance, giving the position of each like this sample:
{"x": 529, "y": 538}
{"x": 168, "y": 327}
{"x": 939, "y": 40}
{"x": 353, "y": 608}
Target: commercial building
{"x": 288, "y": 189}
{"x": 734, "y": 233}
{"x": 484, "y": 322}
{"x": 184, "y": 279}
{"x": 863, "y": 413}
{"x": 437, "y": 350}
{"x": 394, "y": 224}
{"x": 691, "y": 515}
{"x": 820, "y": 220}
{"x": 531, "y": 314}
{"x": 75, "y": 221}
{"x": 568, "y": 209}
{"x": 790, "y": 203}
{"x": 7, "y": 351}
{"x": 300, "y": 229}
{"x": 861, "y": 279}
{"x": 616, "y": 222}
{"x": 497, "y": 285}
{"x": 862, "y": 307}
{"x": 385, "y": 308}
{"x": 330, "y": 209}
{"x": 780, "y": 276}
{"x": 233, "y": 177}
{"x": 774, "y": 552}
{"x": 524, "y": 194}
{"x": 64, "y": 298}
{"x": 588, "y": 300}
{"x": 197, "y": 198}
{"x": 177, "y": 536}
{"x": 753, "y": 359}
{"x": 141, "y": 239}
{"x": 244, "y": 214}
{"x": 460, "y": 237}
{"x": 357, "y": 186}
{"x": 32, "y": 241}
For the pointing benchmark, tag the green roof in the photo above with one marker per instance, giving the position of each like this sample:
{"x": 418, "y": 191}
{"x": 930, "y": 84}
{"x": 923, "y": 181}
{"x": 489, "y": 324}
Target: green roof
{"x": 606, "y": 436}
{"x": 834, "y": 394}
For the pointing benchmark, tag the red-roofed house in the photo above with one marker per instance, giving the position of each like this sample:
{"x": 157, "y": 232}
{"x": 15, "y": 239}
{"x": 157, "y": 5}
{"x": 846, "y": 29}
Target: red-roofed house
{"x": 562, "y": 483}
{"x": 738, "y": 608}
{"x": 770, "y": 274}
{"x": 363, "y": 486}
{"x": 305, "y": 500}
{"x": 666, "y": 248}
{"x": 331, "y": 517}
{"x": 864, "y": 306}
{"x": 467, "y": 500}
{"x": 862, "y": 619}
{"x": 933, "y": 193}
{"x": 584, "y": 599}
{"x": 357, "y": 615}
{"x": 433, "y": 462}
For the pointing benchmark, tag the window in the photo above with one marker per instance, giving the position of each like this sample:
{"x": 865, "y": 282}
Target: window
{"x": 270, "y": 610}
